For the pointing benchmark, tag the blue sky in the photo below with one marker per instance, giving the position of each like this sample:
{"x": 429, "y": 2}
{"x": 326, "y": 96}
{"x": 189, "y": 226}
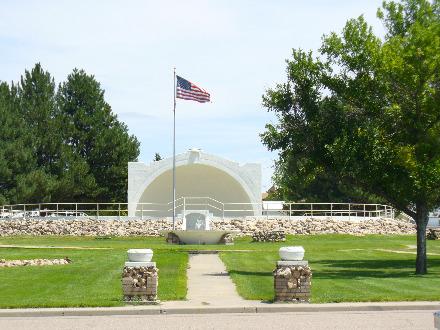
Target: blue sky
{"x": 233, "y": 49}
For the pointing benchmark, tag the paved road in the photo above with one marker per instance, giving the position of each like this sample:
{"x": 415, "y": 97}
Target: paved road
{"x": 411, "y": 320}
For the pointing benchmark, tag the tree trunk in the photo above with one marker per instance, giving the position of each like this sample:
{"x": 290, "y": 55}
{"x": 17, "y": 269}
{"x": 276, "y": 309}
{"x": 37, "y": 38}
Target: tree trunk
{"x": 421, "y": 222}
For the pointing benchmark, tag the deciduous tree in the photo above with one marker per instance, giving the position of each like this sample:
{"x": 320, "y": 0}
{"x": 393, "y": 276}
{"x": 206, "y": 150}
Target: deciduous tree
{"x": 366, "y": 112}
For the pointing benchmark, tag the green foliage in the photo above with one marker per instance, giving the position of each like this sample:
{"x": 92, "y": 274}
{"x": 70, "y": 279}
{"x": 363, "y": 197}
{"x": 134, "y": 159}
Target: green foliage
{"x": 363, "y": 119}
{"x": 96, "y": 137}
{"x": 61, "y": 145}
{"x": 16, "y": 155}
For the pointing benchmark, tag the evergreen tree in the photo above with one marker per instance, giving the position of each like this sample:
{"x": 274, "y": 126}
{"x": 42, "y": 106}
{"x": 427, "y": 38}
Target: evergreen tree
{"x": 95, "y": 135}
{"x": 16, "y": 156}
{"x": 38, "y": 107}
{"x": 61, "y": 146}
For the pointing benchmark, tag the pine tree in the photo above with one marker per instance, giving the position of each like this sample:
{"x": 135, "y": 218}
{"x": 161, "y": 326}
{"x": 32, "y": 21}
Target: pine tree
{"x": 61, "y": 146}
{"x": 16, "y": 156}
{"x": 95, "y": 135}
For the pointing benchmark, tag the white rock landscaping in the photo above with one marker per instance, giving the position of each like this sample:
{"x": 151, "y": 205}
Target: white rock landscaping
{"x": 34, "y": 262}
{"x": 245, "y": 226}
{"x": 269, "y": 236}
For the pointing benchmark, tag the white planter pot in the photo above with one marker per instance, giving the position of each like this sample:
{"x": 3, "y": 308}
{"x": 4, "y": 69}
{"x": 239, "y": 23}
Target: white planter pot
{"x": 140, "y": 255}
{"x": 291, "y": 253}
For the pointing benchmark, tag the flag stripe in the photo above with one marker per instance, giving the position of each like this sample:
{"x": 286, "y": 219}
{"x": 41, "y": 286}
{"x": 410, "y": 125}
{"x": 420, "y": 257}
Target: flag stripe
{"x": 195, "y": 91}
{"x": 182, "y": 94}
{"x": 185, "y": 97}
{"x": 197, "y": 88}
{"x": 190, "y": 95}
{"x": 188, "y": 91}
{"x": 193, "y": 99}
{"x": 182, "y": 91}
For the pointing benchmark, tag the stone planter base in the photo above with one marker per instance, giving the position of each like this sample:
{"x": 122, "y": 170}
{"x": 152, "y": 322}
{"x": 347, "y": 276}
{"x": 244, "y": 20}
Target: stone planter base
{"x": 292, "y": 281}
{"x": 139, "y": 284}
{"x": 227, "y": 239}
{"x": 172, "y": 238}
{"x": 433, "y": 233}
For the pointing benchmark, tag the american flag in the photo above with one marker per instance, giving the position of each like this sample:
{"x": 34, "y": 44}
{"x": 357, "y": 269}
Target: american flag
{"x": 188, "y": 91}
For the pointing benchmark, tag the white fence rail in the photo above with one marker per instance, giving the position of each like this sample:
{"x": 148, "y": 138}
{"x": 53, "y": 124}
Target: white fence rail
{"x": 183, "y": 204}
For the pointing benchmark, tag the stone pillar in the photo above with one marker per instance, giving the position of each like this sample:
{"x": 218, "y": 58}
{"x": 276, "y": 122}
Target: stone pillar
{"x": 139, "y": 277}
{"x": 139, "y": 282}
{"x": 292, "y": 281}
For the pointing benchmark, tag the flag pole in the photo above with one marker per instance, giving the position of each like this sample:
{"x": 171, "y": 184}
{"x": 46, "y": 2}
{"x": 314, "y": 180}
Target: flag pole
{"x": 174, "y": 153}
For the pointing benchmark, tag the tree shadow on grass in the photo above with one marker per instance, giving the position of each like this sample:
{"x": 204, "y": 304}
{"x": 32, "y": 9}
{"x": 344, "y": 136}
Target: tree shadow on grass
{"x": 217, "y": 274}
{"x": 254, "y": 273}
{"x": 351, "y": 269}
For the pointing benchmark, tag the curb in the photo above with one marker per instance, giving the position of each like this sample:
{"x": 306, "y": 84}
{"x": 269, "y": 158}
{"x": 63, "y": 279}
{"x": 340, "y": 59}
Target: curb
{"x": 251, "y": 309}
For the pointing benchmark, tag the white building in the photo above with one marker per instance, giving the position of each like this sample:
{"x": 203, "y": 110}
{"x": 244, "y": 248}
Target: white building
{"x": 206, "y": 181}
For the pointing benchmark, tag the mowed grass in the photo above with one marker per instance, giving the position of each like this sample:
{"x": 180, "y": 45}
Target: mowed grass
{"x": 92, "y": 279}
{"x": 345, "y": 268}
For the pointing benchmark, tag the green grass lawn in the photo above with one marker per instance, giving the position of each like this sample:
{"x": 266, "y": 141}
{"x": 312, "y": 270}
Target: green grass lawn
{"x": 92, "y": 279}
{"x": 345, "y": 268}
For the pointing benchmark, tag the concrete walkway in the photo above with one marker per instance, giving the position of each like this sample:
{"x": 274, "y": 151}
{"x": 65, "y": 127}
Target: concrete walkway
{"x": 209, "y": 282}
